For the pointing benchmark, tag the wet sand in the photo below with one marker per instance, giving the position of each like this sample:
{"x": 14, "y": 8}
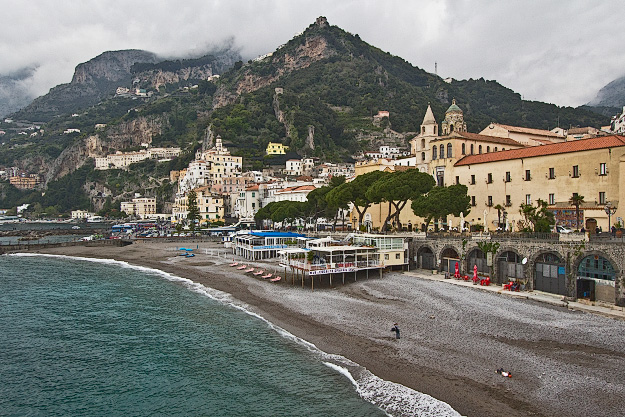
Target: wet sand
{"x": 453, "y": 338}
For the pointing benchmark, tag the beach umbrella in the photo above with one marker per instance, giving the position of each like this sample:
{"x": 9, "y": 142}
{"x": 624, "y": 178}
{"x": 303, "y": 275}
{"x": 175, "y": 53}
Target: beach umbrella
{"x": 457, "y": 270}
{"x": 474, "y": 273}
{"x": 186, "y": 249}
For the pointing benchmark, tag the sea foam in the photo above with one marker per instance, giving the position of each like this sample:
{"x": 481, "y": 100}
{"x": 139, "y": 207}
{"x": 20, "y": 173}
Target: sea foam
{"x": 394, "y": 399}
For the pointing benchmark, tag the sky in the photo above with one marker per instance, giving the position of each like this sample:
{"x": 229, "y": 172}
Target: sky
{"x": 556, "y": 51}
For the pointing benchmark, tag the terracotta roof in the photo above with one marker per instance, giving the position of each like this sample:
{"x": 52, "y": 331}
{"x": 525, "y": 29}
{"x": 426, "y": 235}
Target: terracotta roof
{"x": 297, "y": 188}
{"x": 478, "y": 137}
{"x": 552, "y": 149}
{"x": 528, "y": 130}
{"x": 252, "y": 188}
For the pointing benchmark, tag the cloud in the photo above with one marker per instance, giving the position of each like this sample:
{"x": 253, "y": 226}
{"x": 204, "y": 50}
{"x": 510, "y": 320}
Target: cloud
{"x": 557, "y": 51}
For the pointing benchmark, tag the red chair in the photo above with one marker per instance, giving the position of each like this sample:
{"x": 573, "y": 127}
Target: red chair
{"x": 485, "y": 281}
{"x": 508, "y": 286}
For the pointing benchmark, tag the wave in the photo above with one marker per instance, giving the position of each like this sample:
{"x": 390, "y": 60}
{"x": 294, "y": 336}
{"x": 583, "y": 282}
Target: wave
{"x": 394, "y": 399}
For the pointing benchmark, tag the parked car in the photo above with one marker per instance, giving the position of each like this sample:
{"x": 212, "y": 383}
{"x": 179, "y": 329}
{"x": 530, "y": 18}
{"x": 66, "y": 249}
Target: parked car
{"x": 563, "y": 229}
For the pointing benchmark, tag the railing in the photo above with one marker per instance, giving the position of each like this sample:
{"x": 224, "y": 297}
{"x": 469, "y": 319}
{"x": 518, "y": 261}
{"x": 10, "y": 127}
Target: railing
{"x": 320, "y": 267}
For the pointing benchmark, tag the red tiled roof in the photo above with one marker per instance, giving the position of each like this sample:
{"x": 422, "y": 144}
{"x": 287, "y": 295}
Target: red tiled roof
{"x": 252, "y": 188}
{"x": 528, "y": 130}
{"x": 297, "y": 188}
{"x": 483, "y": 138}
{"x": 552, "y": 149}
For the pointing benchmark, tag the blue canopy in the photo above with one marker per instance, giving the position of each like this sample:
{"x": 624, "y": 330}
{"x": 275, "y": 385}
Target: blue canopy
{"x": 185, "y": 249}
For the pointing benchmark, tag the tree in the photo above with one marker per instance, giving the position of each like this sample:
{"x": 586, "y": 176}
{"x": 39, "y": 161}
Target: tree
{"x": 576, "y": 200}
{"x": 440, "y": 202}
{"x": 193, "y": 212}
{"x": 397, "y": 188}
{"x": 540, "y": 218}
{"x": 355, "y": 192}
{"x": 499, "y": 209}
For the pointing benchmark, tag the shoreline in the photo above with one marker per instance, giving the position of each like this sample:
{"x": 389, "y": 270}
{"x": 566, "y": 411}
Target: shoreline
{"x": 443, "y": 353}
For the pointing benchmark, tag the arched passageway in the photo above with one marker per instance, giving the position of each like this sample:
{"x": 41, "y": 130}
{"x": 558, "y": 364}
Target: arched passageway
{"x": 449, "y": 257}
{"x": 426, "y": 258}
{"x": 596, "y": 278}
{"x": 477, "y": 257}
{"x": 509, "y": 266}
{"x": 550, "y": 273}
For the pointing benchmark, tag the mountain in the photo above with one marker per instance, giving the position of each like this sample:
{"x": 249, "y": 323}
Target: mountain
{"x": 99, "y": 78}
{"x": 611, "y": 96}
{"x": 14, "y": 92}
{"x": 317, "y": 94}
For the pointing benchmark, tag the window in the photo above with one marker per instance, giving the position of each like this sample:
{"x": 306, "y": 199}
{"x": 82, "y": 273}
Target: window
{"x": 601, "y": 197}
{"x": 603, "y": 169}
{"x": 490, "y": 201}
{"x": 473, "y": 179}
{"x": 457, "y": 180}
{"x": 508, "y": 201}
{"x": 528, "y": 199}
{"x": 434, "y": 152}
{"x": 442, "y": 151}
{"x": 480, "y": 149}
{"x": 575, "y": 171}
{"x": 508, "y": 176}
{"x": 552, "y": 198}
{"x": 473, "y": 200}
{"x": 464, "y": 148}
{"x": 397, "y": 256}
{"x": 471, "y": 149}
{"x": 386, "y": 256}
{"x": 253, "y": 194}
{"x": 487, "y": 149}
{"x": 495, "y": 149}
{"x": 528, "y": 175}
{"x": 552, "y": 173}
{"x": 489, "y": 178}
{"x": 423, "y": 129}
{"x": 422, "y": 143}
{"x": 253, "y": 205}
{"x": 422, "y": 156}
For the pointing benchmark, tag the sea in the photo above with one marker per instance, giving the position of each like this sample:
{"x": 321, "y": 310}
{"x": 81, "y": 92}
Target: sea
{"x": 85, "y": 337}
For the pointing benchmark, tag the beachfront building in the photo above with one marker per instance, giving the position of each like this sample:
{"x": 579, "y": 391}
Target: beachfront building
{"x": 266, "y": 244}
{"x": 210, "y": 206}
{"x": 140, "y": 207}
{"x": 393, "y": 250}
{"x": 81, "y": 214}
{"x": 592, "y": 168}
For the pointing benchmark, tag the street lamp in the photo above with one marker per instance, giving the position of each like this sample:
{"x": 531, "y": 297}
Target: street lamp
{"x": 354, "y": 223}
{"x": 609, "y": 210}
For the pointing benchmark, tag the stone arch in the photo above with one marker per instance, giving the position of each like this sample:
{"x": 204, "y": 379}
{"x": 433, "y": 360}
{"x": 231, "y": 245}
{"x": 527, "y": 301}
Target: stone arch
{"x": 449, "y": 252}
{"x": 598, "y": 289}
{"x": 475, "y": 256}
{"x": 550, "y": 278}
{"x": 426, "y": 257}
{"x": 507, "y": 264}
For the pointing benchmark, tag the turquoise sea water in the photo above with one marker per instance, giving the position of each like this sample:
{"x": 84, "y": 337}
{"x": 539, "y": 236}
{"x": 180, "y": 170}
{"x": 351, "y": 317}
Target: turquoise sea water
{"x": 80, "y": 338}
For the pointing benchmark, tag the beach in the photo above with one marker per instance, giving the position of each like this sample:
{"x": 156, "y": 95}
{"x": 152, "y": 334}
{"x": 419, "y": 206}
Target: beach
{"x": 453, "y": 339}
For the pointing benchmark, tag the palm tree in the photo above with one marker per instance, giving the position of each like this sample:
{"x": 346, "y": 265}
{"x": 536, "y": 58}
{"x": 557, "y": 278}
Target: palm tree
{"x": 499, "y": 209}
{"x": 576, "y": 200}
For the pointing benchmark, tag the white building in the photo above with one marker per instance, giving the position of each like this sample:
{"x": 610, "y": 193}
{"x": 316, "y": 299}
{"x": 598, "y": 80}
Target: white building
{"x": 81, "y": 214}
{"x": 140, "y": 207}
{"x": 121, "y": 160}
{"x": 294, "y": 167}
{"x": 617, "y": 125}
{"x": 297, "y": 193}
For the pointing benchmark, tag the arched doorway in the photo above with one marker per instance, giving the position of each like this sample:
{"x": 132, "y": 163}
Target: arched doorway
{"x": 425, "y": 258}
{"x": 595, "y": 279}
{"x": 591, "y": 225}
{"x": 477, "y": 257}
{"x": 449, "y": 257}
{"x": 509, "y": 266}
{"x": 549, "y": 274}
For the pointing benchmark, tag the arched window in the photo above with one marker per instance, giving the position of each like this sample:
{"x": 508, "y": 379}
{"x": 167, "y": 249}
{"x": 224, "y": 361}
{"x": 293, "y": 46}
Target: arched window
{"x": 487, "y": 149}
{"x": 471, "y": 149}
{"x": 495, "y": 149}
{"x": 480, "y": 149}
{"x": 423, "y": 129}
{"x": 422, "y": 156}
{"x": 422, "y": 143}
{"x": 434, "y": 149}
{"x": 436, "y": 129}
{"x": 441, "y": 154}
{"x": 449, "y": 150}
{"x": 464, "y": 149}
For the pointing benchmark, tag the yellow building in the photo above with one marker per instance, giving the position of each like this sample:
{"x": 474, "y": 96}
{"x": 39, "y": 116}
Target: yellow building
{"x": 141, "y": 207}
{"x": 274, "y": 148}
{"x": 552, "y": 173}
{"x": 210, "y": 206}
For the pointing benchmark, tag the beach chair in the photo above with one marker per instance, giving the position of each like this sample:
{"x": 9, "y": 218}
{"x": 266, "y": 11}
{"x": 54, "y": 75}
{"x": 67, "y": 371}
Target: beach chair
{"x": 276, "y": 279}
{"x": 242, "y": 267}
{"x": 266, "y": 276}
{"x": 234, "y": 264}
{"x": 259, "y": 272}
{"x": 249, "y": 270}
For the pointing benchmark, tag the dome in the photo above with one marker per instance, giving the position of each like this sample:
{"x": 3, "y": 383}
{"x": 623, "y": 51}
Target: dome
{"x": 453, "y": 107}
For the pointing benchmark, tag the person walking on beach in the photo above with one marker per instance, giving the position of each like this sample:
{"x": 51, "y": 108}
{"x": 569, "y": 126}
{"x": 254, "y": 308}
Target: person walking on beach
{"x": 396, "y": 330}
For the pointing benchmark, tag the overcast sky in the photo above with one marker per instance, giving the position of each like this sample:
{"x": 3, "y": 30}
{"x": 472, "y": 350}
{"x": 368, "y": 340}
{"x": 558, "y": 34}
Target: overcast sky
{"x": 558, "y": 51}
